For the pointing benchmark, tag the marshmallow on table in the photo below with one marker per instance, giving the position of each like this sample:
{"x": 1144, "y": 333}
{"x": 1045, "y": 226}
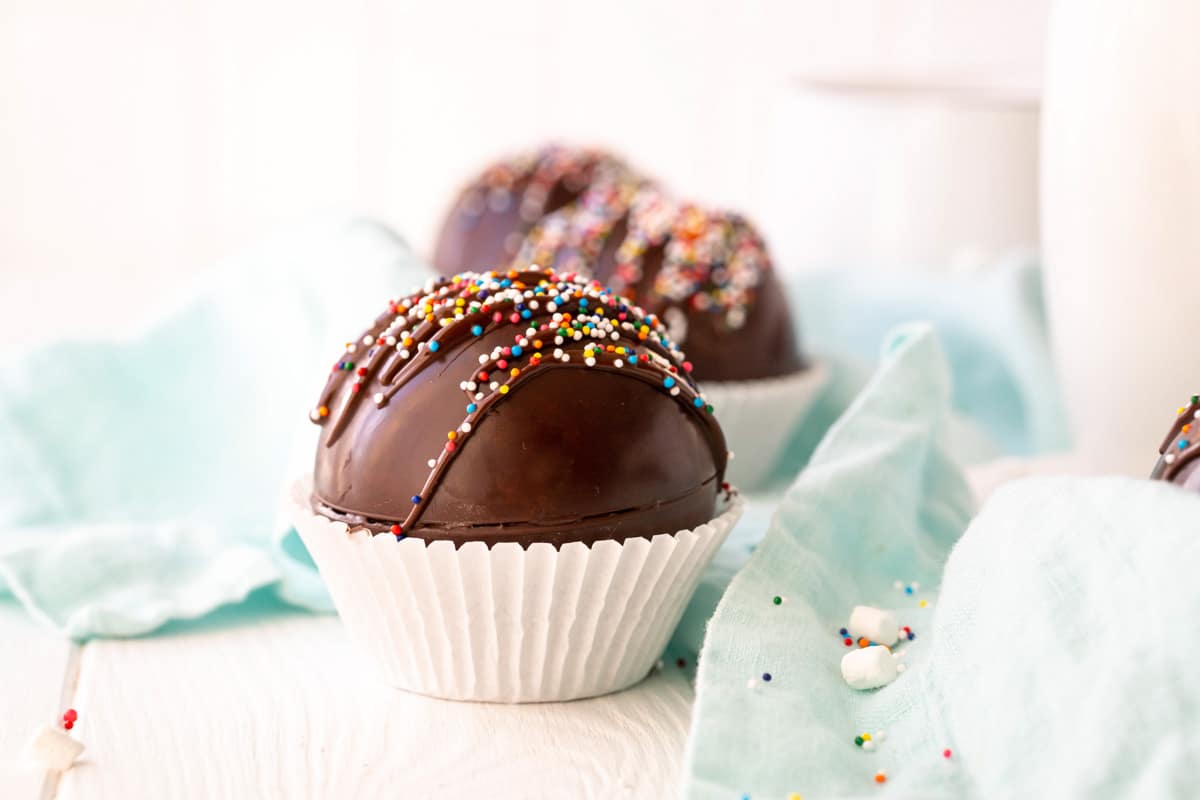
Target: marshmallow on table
{"x": 875, "y": 624}
{"x": 54, "y": 748}
{"x": 870, "y": 667}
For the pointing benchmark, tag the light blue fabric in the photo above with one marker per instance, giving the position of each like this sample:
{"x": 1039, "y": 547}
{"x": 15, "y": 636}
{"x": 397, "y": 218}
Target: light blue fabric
{"x": 140, "y": 479}
{"x": 1051, "y": 662}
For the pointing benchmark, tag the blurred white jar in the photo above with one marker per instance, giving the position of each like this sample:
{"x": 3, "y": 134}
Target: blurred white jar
{"x": 1121, "y": 214}
{"x": 898, "y": 174}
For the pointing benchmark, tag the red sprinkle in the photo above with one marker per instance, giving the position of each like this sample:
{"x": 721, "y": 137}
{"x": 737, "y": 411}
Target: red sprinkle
{"x": 848, "y": 641}
{"x": 68, "y": 724}
{"x": 397, "y": 530}
{"x": 71, "y": 715}
{"x": 362, "y": 371}
{"x": 946, "y": 753}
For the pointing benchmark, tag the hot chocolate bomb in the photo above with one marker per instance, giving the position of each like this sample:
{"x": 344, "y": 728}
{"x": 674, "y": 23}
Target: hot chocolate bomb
{"x": 1179, "y": 454}
{"x": 706, "y": 273}
{"x": 516, "y": 407}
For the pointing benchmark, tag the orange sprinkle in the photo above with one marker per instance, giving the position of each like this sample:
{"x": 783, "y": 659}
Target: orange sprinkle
{"x": 863, "y": 642}
{"x": 880, "y": 777}
{"x": 323, "y": 411}
{"x": 452, "y": 436}
{"x": 514, "y": 372}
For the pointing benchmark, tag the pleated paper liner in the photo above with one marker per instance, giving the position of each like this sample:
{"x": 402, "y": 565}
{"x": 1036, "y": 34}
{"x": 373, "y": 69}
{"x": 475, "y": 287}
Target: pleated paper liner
{"x": 758, "y": 417}
{"x": 508, "y": 624}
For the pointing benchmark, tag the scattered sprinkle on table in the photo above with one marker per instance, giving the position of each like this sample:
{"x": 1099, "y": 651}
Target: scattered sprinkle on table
{"x": 881, "y": 777}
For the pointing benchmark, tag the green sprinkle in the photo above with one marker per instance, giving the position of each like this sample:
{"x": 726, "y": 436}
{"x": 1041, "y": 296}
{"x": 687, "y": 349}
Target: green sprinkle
{"x": 778, "y": 600}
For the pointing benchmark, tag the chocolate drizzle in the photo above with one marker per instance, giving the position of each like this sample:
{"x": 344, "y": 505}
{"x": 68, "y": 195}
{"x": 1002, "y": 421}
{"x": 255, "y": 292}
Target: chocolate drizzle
{"x": 1180, "y": 451}
{"x": 559, "y": 322}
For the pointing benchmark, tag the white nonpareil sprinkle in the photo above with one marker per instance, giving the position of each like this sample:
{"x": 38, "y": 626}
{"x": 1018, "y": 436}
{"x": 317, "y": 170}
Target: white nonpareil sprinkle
{"x": 483, "y": 358}
{"x": 432, "y": 463}
{"x": 618, "y": 363}
{"x": 405, "y": 354}
{"x": 54, "y": 748}
{"x": 591, "y": 362}
{"x": 465, "y": 427}
{"x": 379, "y": 398}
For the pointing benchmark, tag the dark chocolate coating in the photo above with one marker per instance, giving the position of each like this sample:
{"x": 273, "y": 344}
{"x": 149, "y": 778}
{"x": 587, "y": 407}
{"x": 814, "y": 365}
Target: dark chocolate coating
{"x": 570, "y": 453}
{"x": 484, "y": 228}
{"x": 764, "y": 347}
{"x": 1179, "y": 454}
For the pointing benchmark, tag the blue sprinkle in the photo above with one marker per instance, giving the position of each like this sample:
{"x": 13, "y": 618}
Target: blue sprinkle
{"x": 400, "y": 537}
{"x": 767, "y": 676}
{"x": 1183, "y": 443}
{"x": 477, "y": 330}
{"x": 516, "y": 351}
{"x": 416, "y": 498}
{"x": 698, "y": 403}
{"x": 911, "y": 636}
{"x": 583, "y": 302}
{"x": 505, "y": 283}
{"x": 908, "y": 590}
{"x": 433, "y": 347}
{"x": 844, "y": 632}
{"x": 471, "y": 408}
{"x": 526, "y": 314}
{"x": 668, "y": 381}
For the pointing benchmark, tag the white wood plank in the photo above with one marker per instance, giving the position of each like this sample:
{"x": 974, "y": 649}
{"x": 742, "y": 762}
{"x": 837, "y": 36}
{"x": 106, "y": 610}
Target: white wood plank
{"x": 285, "y": 708}
{"x": 33, "y": 663}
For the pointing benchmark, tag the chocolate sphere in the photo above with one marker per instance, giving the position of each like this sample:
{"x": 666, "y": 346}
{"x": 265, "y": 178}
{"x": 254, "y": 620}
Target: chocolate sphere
{"x": 1179, "y": 455}
{"x": 706, "y": 273}
{"x": 518, "y": 406}
{"x": 491, "y": 216}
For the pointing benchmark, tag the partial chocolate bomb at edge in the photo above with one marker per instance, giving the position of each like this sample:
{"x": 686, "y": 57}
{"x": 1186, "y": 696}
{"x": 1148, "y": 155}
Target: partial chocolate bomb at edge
{"x": 491, "y": 216}
{"x": 706, "y": 272}
{"x": 1179, "y": 454}
{"x": 449, "y": 419}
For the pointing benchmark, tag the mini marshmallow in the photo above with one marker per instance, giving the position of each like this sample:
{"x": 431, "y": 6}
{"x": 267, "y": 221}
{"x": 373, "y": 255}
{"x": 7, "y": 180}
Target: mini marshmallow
{"x": 869, "y": 667}
{"x": 54, "y": 748}
{"x": 877, "y": 625}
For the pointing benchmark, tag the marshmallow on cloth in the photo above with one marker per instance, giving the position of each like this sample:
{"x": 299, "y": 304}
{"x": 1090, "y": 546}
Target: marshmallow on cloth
{"x": 870, "y": 667}
{"x": 875, "y": 624}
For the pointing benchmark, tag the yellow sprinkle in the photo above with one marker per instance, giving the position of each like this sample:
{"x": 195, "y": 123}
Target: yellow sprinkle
{"x": 922, "y": 604}
{"x": 794, "y": 796}
{"x": 504, "y": 389}
{"x": 866, "y": 737}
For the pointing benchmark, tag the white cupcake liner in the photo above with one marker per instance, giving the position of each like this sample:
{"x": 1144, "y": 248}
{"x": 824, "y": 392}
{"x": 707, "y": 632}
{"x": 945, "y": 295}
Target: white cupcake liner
{"x": 508, "y": 624}
{"x": 759, "y": 416}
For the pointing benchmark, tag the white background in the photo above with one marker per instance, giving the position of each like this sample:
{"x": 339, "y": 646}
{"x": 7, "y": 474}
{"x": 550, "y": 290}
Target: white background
{"x": 141, "y": 141}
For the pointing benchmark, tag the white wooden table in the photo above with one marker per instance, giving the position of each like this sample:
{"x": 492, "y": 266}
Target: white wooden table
{"x": 283, "y": 707}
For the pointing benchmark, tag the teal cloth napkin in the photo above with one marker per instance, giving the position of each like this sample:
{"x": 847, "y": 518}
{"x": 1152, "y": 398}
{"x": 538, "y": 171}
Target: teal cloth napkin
{"x": 1047, "y": 659}
{"x": 140, "y": 479}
